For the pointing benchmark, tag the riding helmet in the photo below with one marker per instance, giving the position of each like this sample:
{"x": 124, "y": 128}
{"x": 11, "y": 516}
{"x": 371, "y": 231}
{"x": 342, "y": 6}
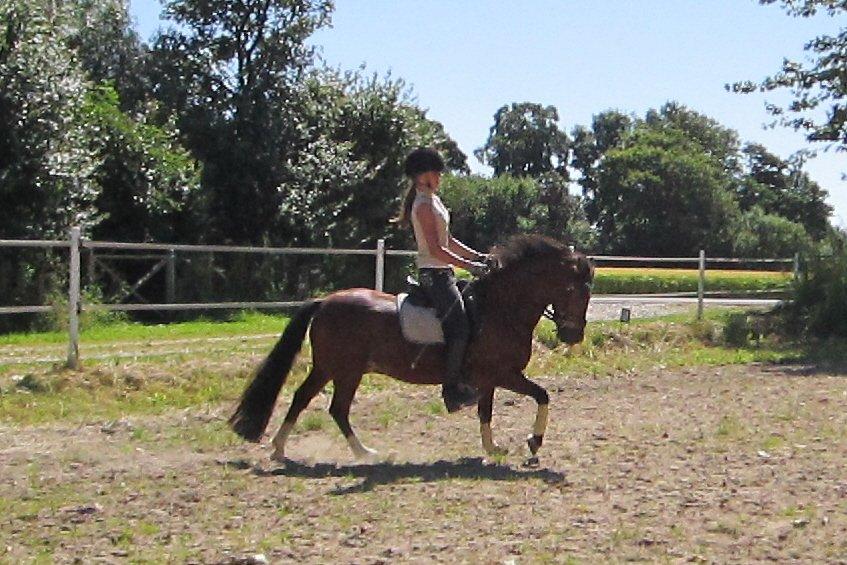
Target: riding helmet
{"x": 423, "y": 160}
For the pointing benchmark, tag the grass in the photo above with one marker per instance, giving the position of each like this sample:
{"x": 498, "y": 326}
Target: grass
{"x": 111, "y": 390}
{"x": 240, "y": 324}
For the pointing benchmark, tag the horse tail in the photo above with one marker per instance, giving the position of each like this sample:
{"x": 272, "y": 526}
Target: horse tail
{"x": 257, "y": 403}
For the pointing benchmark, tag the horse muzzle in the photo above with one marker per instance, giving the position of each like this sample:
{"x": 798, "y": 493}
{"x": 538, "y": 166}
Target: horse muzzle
{"x": 571, "y": 332}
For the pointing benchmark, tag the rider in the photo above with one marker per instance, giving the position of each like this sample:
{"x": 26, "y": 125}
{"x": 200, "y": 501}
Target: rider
{"x": 438, "y": 253}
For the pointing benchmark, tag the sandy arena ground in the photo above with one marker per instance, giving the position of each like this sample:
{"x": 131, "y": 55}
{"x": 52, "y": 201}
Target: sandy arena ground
{"x": 732, "y": 464}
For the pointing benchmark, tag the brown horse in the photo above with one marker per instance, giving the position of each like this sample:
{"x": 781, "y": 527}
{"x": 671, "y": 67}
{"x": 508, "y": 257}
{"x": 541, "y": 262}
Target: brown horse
{"x": 357, "y": 331}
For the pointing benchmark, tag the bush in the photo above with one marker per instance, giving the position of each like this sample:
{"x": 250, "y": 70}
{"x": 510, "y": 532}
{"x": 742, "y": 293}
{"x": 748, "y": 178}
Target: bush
{"x": 767, "y": 235}
{"x": 819, "y": 305}
{"x": 736, "y": 332}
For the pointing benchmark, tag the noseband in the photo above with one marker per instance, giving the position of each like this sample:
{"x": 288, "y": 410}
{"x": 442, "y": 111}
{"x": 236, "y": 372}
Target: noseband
{"x": 550, "y": 314}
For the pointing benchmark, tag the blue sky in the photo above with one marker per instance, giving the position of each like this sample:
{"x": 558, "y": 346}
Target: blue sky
{"x": 466, "y": 58}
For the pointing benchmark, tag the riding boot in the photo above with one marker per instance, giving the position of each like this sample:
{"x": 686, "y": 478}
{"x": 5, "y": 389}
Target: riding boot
{"x": 457, "y": 392}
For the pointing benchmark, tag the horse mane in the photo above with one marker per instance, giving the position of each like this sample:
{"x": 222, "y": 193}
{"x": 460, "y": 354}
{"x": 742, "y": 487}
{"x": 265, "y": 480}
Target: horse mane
{"x": 520, "y": 247}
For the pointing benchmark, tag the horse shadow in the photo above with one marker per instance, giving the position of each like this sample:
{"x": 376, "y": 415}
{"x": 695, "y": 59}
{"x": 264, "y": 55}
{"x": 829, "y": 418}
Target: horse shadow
{"x": 374, "y": 475}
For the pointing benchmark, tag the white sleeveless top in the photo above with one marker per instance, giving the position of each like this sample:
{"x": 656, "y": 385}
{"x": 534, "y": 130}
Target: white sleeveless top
{"x": 425, "y": 259}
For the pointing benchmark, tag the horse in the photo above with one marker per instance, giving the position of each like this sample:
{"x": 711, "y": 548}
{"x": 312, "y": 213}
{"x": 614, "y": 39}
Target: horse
{"x": 356, "y": 331}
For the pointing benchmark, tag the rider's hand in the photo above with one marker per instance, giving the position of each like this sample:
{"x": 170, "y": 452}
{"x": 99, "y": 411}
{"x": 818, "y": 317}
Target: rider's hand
{"x": 491, "y": 261}
{"x": 478, "y": 269}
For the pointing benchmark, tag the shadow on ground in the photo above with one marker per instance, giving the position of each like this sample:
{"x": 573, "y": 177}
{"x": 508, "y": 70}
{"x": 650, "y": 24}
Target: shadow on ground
{"x": 387, "y": 473}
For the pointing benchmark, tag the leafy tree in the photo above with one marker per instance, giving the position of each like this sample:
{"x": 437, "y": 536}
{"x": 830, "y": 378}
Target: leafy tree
{"x": 486, "y": 211}
{"x": 819, "y": 304}
{"x": 780, "y": 187}
{"x": 818, "y": 85}
{"x": 231, "y": 72}
{"x": 109, "y": 50}
{"x": 483, "y": 211}
{"x": 662, "y": 193}
{"x": 607, "y": 130}
{"x": 525, "y": 140}
{"x": 560, "y": 214}
{"x": 372, "y": 124}
{"x": 760, "y": 234}
{"x": 46, "y": 165}
{"x": 716, "y": 140}
{"x": 145, "y": 177}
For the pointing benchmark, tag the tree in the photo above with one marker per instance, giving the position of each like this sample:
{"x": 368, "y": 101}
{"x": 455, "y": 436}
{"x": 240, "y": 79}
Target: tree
{"x": 145, "y": 178}
{"x": 662, "y": 193}
{"x": 760, "y": 234}
{"x": 525, "y": 140}
{"x": 46, "y": 164}
{"x": 720, "y": 142}
{"x": 231, "y": 72}
{"x": 607, "y": 130}
{"x": 782, "y": 188}
{"x": 818, "y": 87}
{"x": 487, "y": 211}
{"x": 110, "y": 51}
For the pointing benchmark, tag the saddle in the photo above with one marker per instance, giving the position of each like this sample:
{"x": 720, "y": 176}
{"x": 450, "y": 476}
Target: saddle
{"x": 418, "y": 318}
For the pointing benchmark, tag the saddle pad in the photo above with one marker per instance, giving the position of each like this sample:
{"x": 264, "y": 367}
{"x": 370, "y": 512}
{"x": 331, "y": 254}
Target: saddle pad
{"x": 418, "y": 324}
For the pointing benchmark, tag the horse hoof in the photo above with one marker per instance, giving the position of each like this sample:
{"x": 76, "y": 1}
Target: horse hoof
{"x": 278, "y": 456}
{"x": 532, "y": 462}
{"x": 534, "y": 443}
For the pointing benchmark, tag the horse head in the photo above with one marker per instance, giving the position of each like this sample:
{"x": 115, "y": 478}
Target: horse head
{"x": 546, "y": 271}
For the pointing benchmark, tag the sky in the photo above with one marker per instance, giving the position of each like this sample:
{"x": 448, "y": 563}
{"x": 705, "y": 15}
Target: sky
{"x": 464, "y": 59}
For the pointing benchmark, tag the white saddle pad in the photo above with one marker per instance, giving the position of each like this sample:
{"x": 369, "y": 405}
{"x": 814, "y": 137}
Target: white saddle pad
{"x": 419, "y": 325}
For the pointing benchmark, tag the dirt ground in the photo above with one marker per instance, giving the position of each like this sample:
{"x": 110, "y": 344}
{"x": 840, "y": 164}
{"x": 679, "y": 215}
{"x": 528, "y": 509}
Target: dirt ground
{"x": 728, "y": 464}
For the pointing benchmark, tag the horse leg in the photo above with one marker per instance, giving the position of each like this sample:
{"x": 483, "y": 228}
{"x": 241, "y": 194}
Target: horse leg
{"x": 484, "y": 409}
{"x": 313, "y": 384}
{"x": 339, "y": 409}
{"x": 522, "y": 385}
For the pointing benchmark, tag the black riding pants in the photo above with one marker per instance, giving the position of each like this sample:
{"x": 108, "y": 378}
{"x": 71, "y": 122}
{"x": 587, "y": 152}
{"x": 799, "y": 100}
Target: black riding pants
{"x": 440, "y": 286}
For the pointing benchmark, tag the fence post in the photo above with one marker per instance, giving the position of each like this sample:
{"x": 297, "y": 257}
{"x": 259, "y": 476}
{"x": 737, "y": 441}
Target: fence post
{"x": 701, "y": 284}
{"x": 796, "y": 267}
{"x": 73, "y": 300}
{"x": 380, "y": 265}
{"x": 170, "y": 277}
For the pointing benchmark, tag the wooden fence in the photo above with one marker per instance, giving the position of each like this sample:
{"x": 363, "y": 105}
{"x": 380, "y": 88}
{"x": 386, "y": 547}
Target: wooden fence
{"x": 75, "y": 244}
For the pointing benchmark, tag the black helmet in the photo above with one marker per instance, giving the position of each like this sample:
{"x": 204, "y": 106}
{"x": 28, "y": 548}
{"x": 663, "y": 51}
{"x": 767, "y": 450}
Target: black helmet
{"x": 423, "y": 160}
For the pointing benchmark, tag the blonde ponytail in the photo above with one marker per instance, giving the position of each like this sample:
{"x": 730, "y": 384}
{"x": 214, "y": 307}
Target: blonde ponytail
{"x": 404, "y": 217}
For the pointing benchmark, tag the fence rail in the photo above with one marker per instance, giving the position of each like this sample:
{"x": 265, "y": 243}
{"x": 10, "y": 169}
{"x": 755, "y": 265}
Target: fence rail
{"x": 75, "y": 243}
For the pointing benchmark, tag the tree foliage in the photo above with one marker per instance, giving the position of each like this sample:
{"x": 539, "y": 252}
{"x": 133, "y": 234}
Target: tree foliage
{"x": 819, "y": 305}
{"x": 145, "y": 178}
{"x": 486, "y": 211}
{"x": 525, "y": 140}
{"x": 661, "y": 193}
{"x": 45, "y": 163}
{"x": 818, "y": 87}
{"x": 782, "y": 188}
{"x": 759, "y": 234}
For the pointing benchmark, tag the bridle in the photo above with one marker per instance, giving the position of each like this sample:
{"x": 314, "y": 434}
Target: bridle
{"x": 561, "y": 323}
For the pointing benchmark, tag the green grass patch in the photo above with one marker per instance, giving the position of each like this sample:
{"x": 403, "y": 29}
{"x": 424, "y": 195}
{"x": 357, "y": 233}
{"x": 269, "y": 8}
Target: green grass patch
{"x": 243, "y": 323}
{"x": 110, "y": 390}
{"x": 313, "y": 421}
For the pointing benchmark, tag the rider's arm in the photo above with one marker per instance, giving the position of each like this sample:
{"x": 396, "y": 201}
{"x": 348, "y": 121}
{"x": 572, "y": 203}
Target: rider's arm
{"x": 463, "y": 250}
{"x": 426, "y": 217}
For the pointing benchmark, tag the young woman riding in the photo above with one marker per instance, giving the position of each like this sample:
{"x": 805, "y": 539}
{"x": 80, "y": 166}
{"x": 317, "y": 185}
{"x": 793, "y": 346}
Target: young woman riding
{"x": 438, "y": 253}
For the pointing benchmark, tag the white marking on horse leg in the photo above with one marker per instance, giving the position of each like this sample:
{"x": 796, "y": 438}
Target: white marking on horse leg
{"x": 279, "y": 441}
{"x": 536, "y": 438}
{"x": 541, "y": 420}
{"x": 488, "y": 444}
{"x": 359, "y": 450}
